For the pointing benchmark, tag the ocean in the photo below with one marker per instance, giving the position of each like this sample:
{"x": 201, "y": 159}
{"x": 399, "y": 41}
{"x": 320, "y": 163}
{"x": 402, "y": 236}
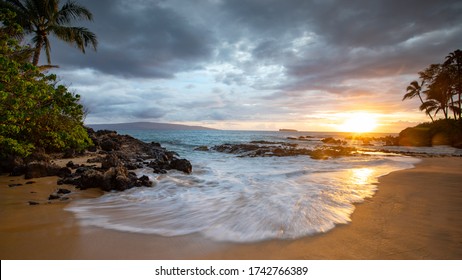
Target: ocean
{"x": 243, "y": 199}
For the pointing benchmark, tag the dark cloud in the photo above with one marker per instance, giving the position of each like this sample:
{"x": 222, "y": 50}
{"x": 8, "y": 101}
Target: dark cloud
{"x": 157, "y": 39}
{"x": 382, "y": 23}
{"x": 267, "y": 57}
{"x": 140, "y": 39}
{"x": 350, "y": 40}
{"x": 354, "y": 23}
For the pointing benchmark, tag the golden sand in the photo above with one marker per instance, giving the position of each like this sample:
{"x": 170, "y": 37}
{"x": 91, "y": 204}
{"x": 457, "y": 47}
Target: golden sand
{"x": 415, "y": 214}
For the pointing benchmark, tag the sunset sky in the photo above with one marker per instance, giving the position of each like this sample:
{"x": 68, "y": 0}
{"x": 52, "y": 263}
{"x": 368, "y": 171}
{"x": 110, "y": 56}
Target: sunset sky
{"x": 258, "y": 64}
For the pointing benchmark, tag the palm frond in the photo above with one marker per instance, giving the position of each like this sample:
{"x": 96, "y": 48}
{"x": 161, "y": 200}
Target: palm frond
{"x": 35, "y": 9}
{"x": 22, "y": 15}
{"x": 406, "y": 96}
{"x": 23, "y": 55}
{"x": 429, "y": 106}
{"x": 42, "y": 17}
{"x": 415, "y": 85}
{"x": 14, "y": 3}
{"x": 43, "y": 68}
{"x": 412, "y": 90}
{"x": 409, "y": 95}
{"x": 80, "y": 37}
{"x": 72, "y": 11}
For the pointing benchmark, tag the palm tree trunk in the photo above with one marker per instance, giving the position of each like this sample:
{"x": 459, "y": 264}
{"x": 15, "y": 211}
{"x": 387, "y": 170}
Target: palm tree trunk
{"x": 38, "y": 48}
{"x": 420, "y": 97}
{"x": 459, "y": 82}
{"x": 453, "y": 107}
{"x": 459, "y": 90}
{"x": 460, "y": 107}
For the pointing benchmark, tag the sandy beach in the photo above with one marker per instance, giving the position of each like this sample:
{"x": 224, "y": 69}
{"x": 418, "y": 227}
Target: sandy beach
{"x": 415, "y": 214}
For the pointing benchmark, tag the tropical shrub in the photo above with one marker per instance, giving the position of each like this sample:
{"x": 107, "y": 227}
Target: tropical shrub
{"x": 440, "y": 132}
{"x": 35, "y": 111}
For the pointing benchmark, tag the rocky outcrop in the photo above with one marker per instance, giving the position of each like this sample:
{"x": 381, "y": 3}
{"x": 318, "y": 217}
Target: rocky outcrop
{"x": 416, "y": 137}
{"x": 112, "y": 175}
{"x": 109, "y": 145}
{"x": 117, "y": 154}
{"x": 326, "y": 152}
{"x": 333, "y": 141}
{"x": 133, "y": 153}
{"x": 440, "y": 132}
{"x": 181, "y": 165}
{"x": 254, "y": 150}
{"x": 8, "y": 164}
{"x": 303, "y": 138}
{"x": 44, "y": 169}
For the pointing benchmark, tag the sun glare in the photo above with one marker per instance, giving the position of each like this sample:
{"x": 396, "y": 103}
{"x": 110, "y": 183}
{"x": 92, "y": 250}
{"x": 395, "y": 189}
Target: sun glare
{"x": 359, "y": 123}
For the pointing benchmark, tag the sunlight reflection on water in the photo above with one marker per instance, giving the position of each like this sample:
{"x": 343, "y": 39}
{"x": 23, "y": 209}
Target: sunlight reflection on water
{"x": 361, "y": 176}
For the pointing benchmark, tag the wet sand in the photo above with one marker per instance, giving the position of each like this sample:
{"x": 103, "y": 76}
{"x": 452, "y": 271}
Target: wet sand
{"x": 415, "y": 214}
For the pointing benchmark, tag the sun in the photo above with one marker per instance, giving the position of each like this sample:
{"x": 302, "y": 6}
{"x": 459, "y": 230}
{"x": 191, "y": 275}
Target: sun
{"x": 359, "y": 123}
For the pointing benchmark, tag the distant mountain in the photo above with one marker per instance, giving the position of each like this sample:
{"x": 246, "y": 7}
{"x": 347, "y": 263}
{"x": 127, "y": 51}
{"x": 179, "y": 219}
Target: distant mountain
{"x": 288, "y": 130}
{"x": 146, "y": 126}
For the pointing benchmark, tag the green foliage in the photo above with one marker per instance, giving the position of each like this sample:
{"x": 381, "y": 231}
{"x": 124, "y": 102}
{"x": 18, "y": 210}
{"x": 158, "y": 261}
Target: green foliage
{"x": 440, "y": 132}
{"x": 445, "y": 132}
{"x": 35, "y": 112}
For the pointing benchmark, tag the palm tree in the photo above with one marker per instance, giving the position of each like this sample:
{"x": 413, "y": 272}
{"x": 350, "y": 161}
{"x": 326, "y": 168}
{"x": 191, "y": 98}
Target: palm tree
{"x": 454, "y": 59}
{"x": 44, "y": 17}
{"x": 431, "y": 105}
{"x": 413, "y": 90}
{"x": 437, "y": 100}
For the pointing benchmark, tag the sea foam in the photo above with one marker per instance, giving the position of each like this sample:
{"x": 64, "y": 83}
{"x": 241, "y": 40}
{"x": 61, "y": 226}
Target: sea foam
{"x": 228, "y": 198}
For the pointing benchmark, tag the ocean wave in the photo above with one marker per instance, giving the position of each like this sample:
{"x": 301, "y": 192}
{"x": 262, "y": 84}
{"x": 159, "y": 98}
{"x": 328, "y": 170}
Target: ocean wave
{"x": 244, "y": 199}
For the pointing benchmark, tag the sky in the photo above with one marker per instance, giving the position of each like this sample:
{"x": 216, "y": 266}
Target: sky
{"x": 258, "y": 64}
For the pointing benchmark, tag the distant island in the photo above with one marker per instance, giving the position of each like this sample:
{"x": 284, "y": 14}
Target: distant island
{"x": 288, "y": 130}
{"x": 146, "y": 126}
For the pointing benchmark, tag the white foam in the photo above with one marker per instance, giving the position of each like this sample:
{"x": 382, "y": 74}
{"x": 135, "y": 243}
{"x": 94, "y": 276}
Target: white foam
{"x": 244, "y": 199}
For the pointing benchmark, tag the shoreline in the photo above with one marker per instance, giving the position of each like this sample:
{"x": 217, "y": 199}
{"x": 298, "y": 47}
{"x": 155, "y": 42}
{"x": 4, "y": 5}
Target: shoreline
{"x": 415, "y": 214}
